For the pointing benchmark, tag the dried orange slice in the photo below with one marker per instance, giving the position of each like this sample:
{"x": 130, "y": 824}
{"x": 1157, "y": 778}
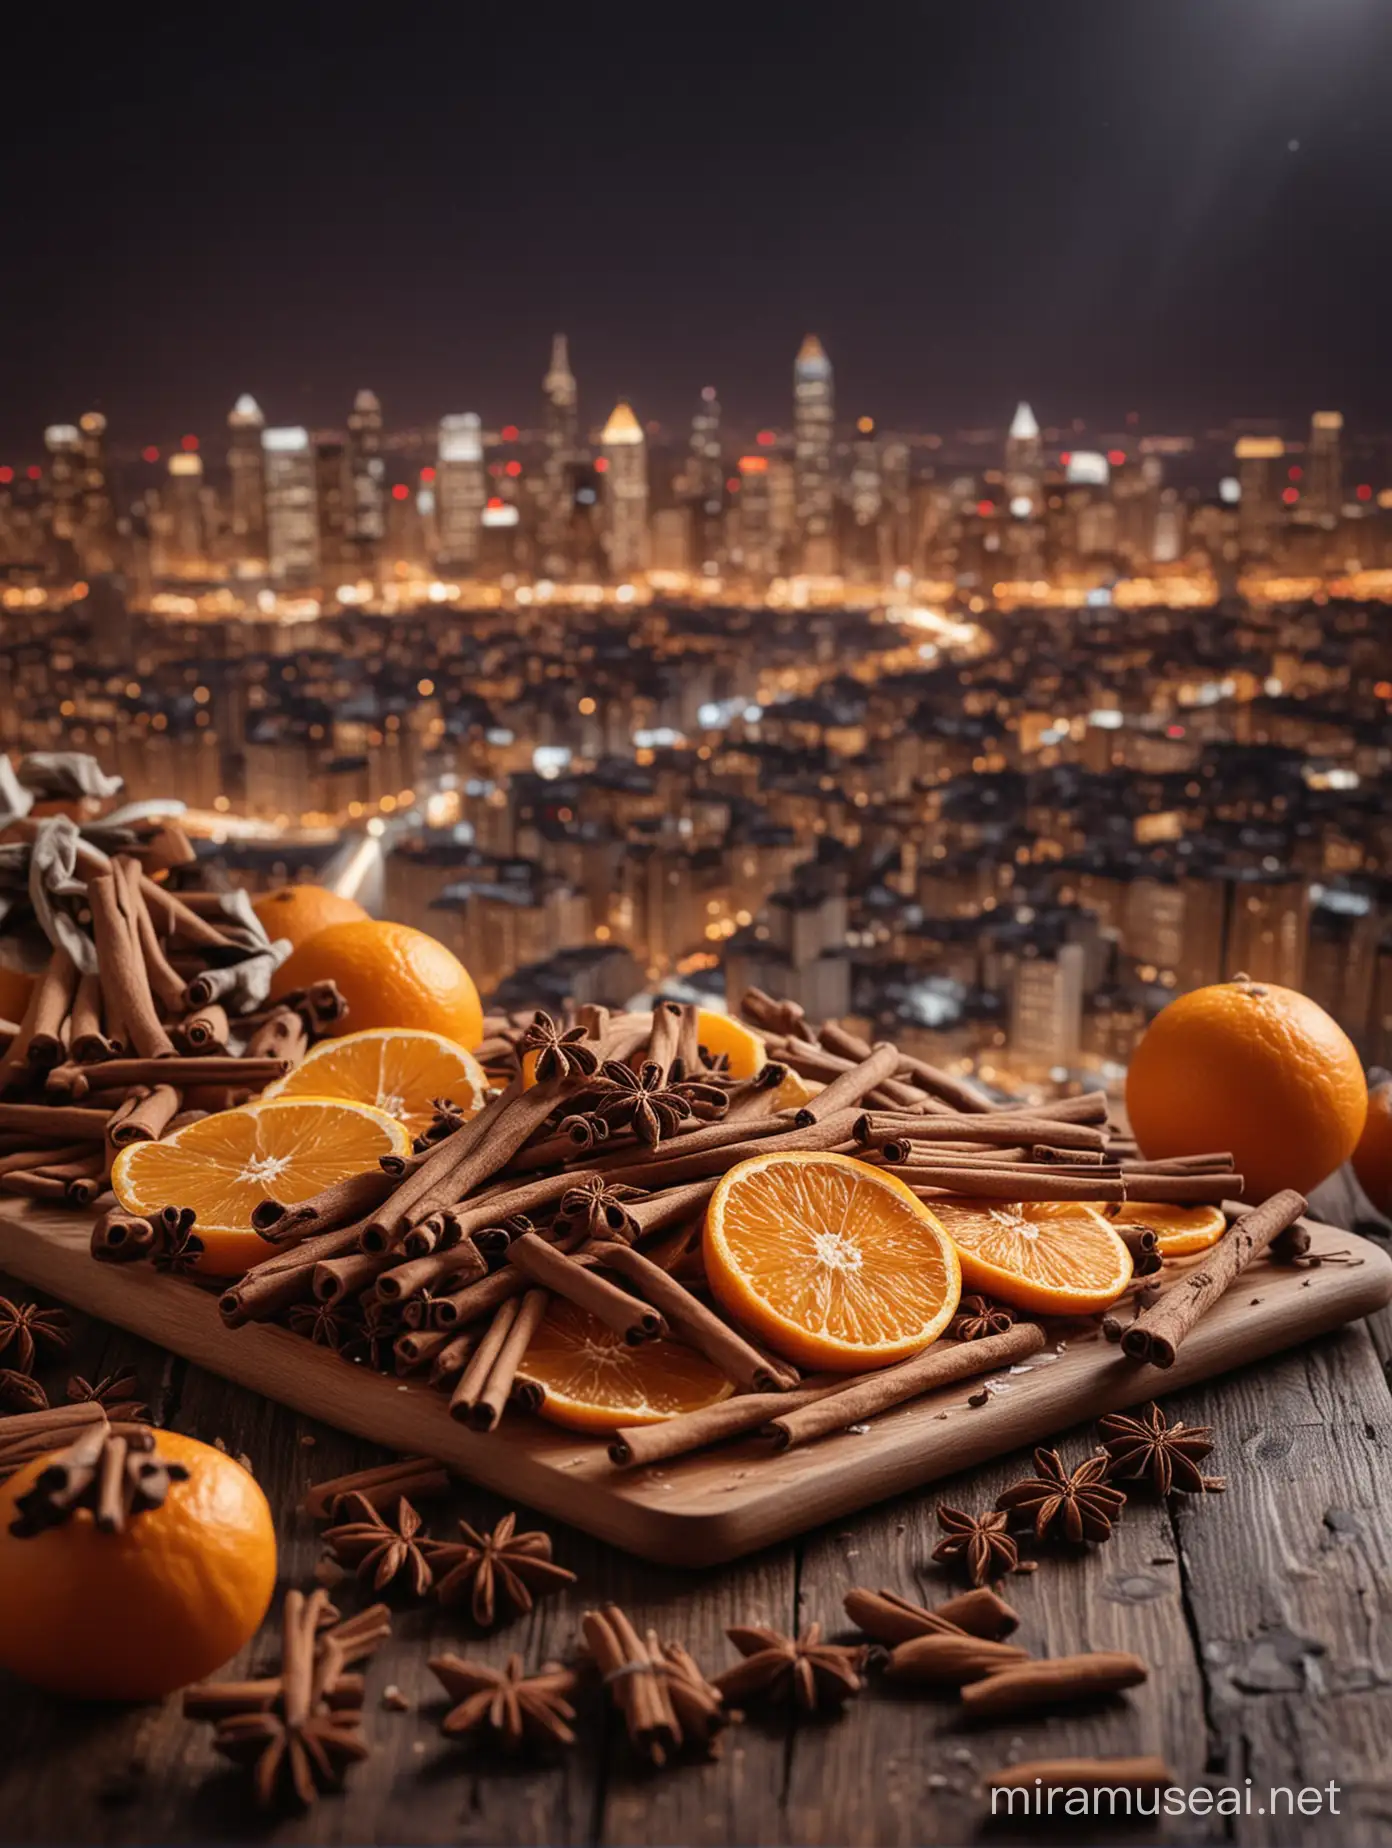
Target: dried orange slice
{"x": 718, "y": 1033}
{"x": 795, "y": 1091}
{"x": 1052, "y": 1257}
{"x": 595, "y": 1382}
{"x": 224, "y": 1165}
{"x": 832, "y": 1262}
{"x": 1181, "y": 1230}
{"x": 397, "y": 1069}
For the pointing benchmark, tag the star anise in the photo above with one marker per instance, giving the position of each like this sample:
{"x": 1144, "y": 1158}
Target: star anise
{"x": 294, "y": 1762}
{"x": 178, "y": 1247}
{"x": 1150, "y": 1445}
{"x": 26, "y": 1330}
{"x": 643, "y": 1102}
{"x": 598, "y": 1208}
{"x": 978, "y": 1316}
{"x": 325, "y": 1324}
{"x": 559, "y": 1053}
{"x": 21, "y": 1392}
{"x": 513, "y": 1707}
{"x": 804, "y": 1669}
{"x": 117, "y": 1393}
{"x": 1076, "y": 1505}
{"x": 486, "y": 1566}
{"x": 371, "y": 1340}
{"x": 379, "y": 1550}
{"x": 979, "y": 1541}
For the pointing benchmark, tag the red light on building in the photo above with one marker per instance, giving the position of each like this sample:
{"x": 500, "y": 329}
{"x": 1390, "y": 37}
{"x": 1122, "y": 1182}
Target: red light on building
{"x": 601, "y": 466}
{"x": 188, "y": 442}
{"x": 1295, "y": 472}
{"x": 6, "y": 475}
{"x": 508, "y": 433}
{"x": 514, "y": 468}
{"x": 1290, "y": 496}
{"x": 149, "y": 453}
{"x": 399, "y": 490}
{"x": 1116, "y": 457}
{"x": 34, "y": 472}
{"x": 732, "y": 484}
{"x": 766, "y": 438}
{"x": 427, "y": 473}
{"x": 1364, "y": 490}
{"x": 495, "y": 501}
{"x": 1174, "y": 731}
{"x": 985, "y": 507}
{"x": 1065, "y": 456}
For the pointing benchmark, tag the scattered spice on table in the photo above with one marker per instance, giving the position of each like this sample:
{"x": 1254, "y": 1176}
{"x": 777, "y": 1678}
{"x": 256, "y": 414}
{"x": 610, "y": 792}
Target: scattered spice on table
{"x": 379, "y": 1550}
{"x": 1077, "y": 1505}
{"x": 501, "y": 1565}
{"x": 1150, "y": 1446}
{"x": 504, "y": 1703}
{"x": 117, "y": 1394}
{"x": 978, "y": 1316}
{"x": 979, "y": 1543}
{"x": 812, "y": 1674}
{"x": 28, "y": 1331}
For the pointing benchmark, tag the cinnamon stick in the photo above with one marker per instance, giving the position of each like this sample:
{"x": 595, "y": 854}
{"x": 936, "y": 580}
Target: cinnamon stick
{"x": 946, "y": 1661}
{"x": 627, "y": 1315}
{"x": 124, "y": 980}
{"x": 659, "y": 1212}
{"x": 665, "y": 1037}
{"x": 173, "y": 918}
{"x": 164, "y": 983}
{"x": 929, "y": 1078}
{"x": 23, "y": 1161}
{"x": 51, "y": 1003}
{"x": 461, "y": 1263}
{"x": 68, "y": 1121}
{"x": 636, "y": 1445}
{"x": 1141, "y": 1775}
{"x": 120, "y": 1237}
{"x": 850, "y": 1087}
{"x": 940, "y": 1180}
{"x": 86, "y": 1040}
{"x": 890, "y": 1619}
{"x": 208, "y": 1030}
{"x": 354, "y": 1197}
{"x": 691, "y": 1321}
{"x": 476, "y": 1299}
{"x": 940, "y": 1365}
{"x": 281, "y": 1035}
{"x": 147, "y": 1117}
{"x": 875, "y": 1128}
{"x": 417, "y": 1478}
{"x": 1032, "y": 1686}
{"x": 474, "y": 1380}
{"x": 488, "y": 1407}
{"x": 687, "y": 1163}
{"x": 337, "y": 1278}
{"x": 981, "y": 1611}
{"x": 1157, "y": 1332}
{"x": 204, "y": 1069}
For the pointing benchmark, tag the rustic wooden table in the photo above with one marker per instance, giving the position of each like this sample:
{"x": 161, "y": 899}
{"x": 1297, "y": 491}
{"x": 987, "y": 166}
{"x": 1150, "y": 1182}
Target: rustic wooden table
{"x": 1265, "y": 1613}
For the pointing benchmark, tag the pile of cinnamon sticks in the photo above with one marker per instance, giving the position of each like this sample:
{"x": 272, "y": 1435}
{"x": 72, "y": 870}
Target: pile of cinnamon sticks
{"x": 152, "y": 1010}
{"x": 590, "y": 1185}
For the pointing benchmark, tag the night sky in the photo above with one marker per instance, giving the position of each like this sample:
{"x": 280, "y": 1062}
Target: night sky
{"x": 1173, "y": 206}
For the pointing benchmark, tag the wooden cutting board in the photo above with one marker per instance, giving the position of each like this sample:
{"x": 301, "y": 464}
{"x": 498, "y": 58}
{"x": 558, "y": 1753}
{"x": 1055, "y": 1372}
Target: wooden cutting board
{"x": 715, "y": 1506}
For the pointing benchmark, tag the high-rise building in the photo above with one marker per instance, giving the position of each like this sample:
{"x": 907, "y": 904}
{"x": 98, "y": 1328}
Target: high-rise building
{"x": 706, "y": 483}
{"x": 814, "y": 414}
{"x": 292, "y": 529}
{"x": 366, "y": 469}
{"x": 333, "y": 509}
{"x": 460, "y": 491}
{"x": 758, "y": 549}
{"x": 1024, "y": 463}
{"x": 64, "y": 445}
{"x": 897, "y": 489}
{"x": 97, "y": 521}
{"x": 1324, "y": 474}
{"x": 182, "y": 547}
{"x": 562, "y": 443}
{"x": 625, "y": 492}
{"x": 246, "y": 467}
{"x": 1259, "y": 482}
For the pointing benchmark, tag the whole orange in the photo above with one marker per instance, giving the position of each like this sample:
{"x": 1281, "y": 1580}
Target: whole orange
{"x": 134, "y": 1615}
{"x": 301, "y": 911}
{"x": 1254, "y": 1068}
{"x": 1372, "y": 1159}
{"x": 391, "y": 976}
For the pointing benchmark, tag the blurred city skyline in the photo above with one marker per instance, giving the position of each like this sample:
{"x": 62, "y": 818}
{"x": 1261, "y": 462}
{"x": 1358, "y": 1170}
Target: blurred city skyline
{"x": 1167, "y": 209}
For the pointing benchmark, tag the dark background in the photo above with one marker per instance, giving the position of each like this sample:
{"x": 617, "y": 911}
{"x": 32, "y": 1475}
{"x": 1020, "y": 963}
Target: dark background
{"x": 1091, "y": 203}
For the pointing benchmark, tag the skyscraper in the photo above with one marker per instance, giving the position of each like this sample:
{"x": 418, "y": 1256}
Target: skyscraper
{"x": 246, "y": 467}
{"x": 706, "y": 480}
{"x": 366, "y": 469}
{"x": 180, "y": 527}
{"x": 1024, "y": 462}
{"x": 292, "y": 531}
{"x": 1324, "y": 484}
{"x": 64, "y": 446}
{"x": 562, "y": 441}
{"x": 332, "y": 508}
{"x": 97, "y": 520}
{"x": 758, "y": 549}
{"x": 1259, "y": 511}
{"x": 625, "y": 492}
{"x": 814, "y": 411}
{"x": 460, "y": 491}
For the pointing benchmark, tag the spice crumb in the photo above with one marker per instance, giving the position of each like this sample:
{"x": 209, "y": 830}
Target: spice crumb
{"x": 979, "y": 1397}
{"x": 245, "y": 1461}
{"x": 857, "y": 1430}
{"x": 308, "y": 1441}
{"x": 394, "y": 1700}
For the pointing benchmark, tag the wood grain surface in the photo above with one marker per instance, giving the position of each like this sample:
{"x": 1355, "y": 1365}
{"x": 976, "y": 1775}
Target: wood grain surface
{"x": 724, "y": 1502}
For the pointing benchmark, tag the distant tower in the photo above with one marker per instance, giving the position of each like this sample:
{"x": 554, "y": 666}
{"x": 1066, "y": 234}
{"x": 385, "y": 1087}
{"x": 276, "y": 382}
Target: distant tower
{"x": 333, "y": 508}
{"x": 625, "y": 492}
{"x": 1024, "y": 459}
{"x": 292, "y": 529}
{"x": 97, "y": 546}
{"x": 706, "y": 475}
{"x": 758, "y": 545}
{"x": 562, "y": 442}
{"x": 367, "y": 518}
{"x": 247, "y": 470}
{"x": 1324, "y": 485}
{"x": 460, "y": 491}
{"x": 1259, "y": 511}
{"x": 183, "y": 545}
{"x": 814, "y": 411}
{"x": 64, "y": 445}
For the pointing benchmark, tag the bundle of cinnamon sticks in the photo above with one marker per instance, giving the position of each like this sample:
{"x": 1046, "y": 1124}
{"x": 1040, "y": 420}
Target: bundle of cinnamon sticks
{"x": 151, "y": 1010}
